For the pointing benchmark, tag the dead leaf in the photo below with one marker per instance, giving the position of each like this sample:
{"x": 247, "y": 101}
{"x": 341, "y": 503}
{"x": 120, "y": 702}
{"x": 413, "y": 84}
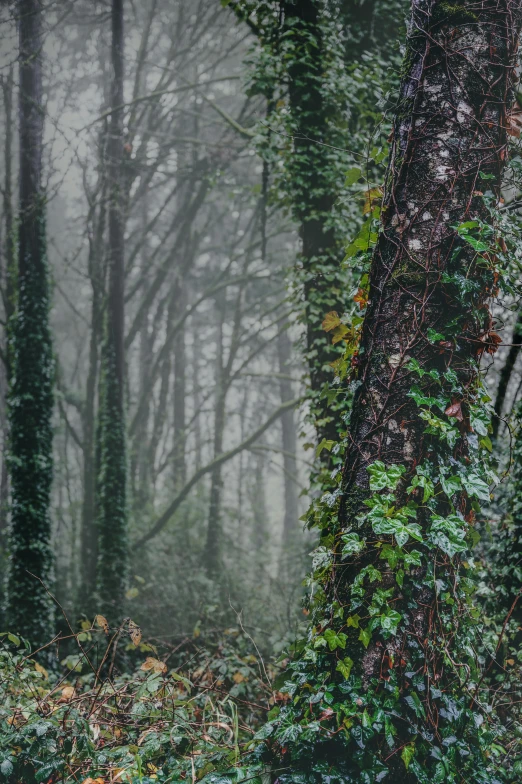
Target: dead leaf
{"x": 135, "y": 633}
{"x": 238, "y": 677}
{"x": 339, "y": 333}
{"x": 362, "y": 298}
{"x": 455, "y": 410}
{"x": 331, "y": 321}
{"x": 102, "y": 622}
{"x": 41, "y": 670}
{"x": 153, "y": 664}
{"x": 94, "y": 781}
{"x": 514, "y": 122}
{"x": 68, "y": 693}
{"x": 326, "y": 714}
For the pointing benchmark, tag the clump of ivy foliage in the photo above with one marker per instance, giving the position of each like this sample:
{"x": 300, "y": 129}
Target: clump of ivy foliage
{"x": 164, "y": 722}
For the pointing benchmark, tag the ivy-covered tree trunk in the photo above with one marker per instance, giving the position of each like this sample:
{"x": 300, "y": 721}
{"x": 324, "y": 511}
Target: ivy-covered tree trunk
{"x": 29, "y": 608}
{"x": 385, "y": 686}
{"x": 313, "y": 121}
{"x": 112, "y": 500}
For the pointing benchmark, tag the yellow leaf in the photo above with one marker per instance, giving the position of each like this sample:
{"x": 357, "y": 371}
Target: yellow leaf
{"x": 67, "y": 693}
{"x": 41, "y": 670}
{"x": 331, "y": 321}
{"x": 510, "y": 662}
{"x": 134, "y": 632}
{"x": 93, "y": 781}
{"x": 238, "y": 677}
{"x": 339, "y": 333}
{"x": 153, "y": 664}
{"x": 131, "y": 593}
{"x": 102, "y": 622}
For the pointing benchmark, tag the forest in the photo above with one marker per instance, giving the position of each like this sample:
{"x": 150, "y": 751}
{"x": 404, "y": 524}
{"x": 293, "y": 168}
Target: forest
{"x": 260, "y": 392}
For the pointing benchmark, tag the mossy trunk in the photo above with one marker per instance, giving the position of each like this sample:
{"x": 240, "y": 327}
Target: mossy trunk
{"x": 112, "y": 481}
{"x": 30, "y": 611}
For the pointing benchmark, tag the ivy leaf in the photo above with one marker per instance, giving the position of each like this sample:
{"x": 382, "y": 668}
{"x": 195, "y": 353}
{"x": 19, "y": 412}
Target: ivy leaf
{"x": 352, "y": 544}
{"x": 335, "y": 639}
{"x": 448, "y": 534}
{"x": 365, "y": 636}
{"x": 434, "y": 336}
{"x": 382, "y": 478}
{"x": 413, "y": 558}
{"x": 324, "y": 444}
{"x": 390, "y": 621}
{"x": 399, "y": 530}
{"x": 344, "y": 666}
{"x": 476, "y": 487}
{"x": 412, "y": 700}
{"x": 450, "y": 485}
{"x": 407, "y": 755}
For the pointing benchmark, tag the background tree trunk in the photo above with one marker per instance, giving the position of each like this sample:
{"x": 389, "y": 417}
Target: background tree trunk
{"x": 30, "y": 610}
{"x": 112, "y": 503}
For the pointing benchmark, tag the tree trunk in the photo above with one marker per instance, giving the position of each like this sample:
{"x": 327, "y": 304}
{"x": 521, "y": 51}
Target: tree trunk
{"x": 179, "y": 464}
{"x": 506, "y": 372}
{"x": 289, "y": 442}
{"x": 29, "y": 610}
{"x": 213, "y": 541}
{"x": 89, "y": 530}
{"x": 314, "y": 200}
{"x": 112, "y": 502}
{"x": 391, "y": 605}
{"x": 8, "y": 273}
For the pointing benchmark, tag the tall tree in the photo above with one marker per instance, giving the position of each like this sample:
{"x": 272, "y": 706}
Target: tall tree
{"x": 289, "y": 441}
{"x": 29, "y": 609}
{"x": 384, "y": 674}
{"x": 112, "y": 490}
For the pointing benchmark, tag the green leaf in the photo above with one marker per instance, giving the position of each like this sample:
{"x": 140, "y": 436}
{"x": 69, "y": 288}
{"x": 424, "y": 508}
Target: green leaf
{"x": 407, "y": 755}
{"x": 352, "y": 544}
{"x": 335, "y": 639}
{"x": 352, "y": 175}
{"x": 344, "y": 666}
{"x": 365, "y": 636}
{"x": 476, "y": 487}
{"x": 325, "y": 444}
{"x": 382, "y": 478}
{"x": 390, "y": 621}
{"x": 14, "y": 639}
{"x": 434, "y": 336}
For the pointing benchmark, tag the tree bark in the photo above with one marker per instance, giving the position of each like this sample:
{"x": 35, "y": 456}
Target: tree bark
{"x": 112, "y": 502}
{"x": 29, "y": 609}
{"x": 289, "y": 442}
{"x": 179, "y": 435}
{"x": 506, "y": 373}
